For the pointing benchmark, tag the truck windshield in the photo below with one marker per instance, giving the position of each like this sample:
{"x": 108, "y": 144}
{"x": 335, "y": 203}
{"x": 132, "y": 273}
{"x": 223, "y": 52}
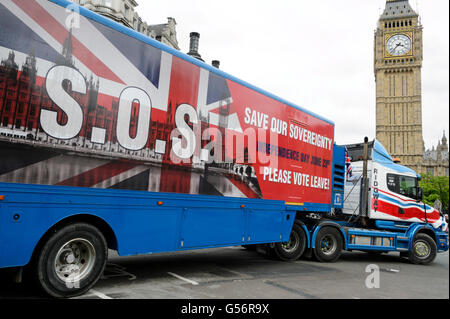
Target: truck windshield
{"x": 403, "y": 185}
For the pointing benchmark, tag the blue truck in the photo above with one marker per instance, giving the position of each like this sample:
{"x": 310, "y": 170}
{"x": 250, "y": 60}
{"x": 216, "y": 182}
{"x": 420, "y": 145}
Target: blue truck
{"x": 378, "y": 209}
{"x": 111, "y": 140}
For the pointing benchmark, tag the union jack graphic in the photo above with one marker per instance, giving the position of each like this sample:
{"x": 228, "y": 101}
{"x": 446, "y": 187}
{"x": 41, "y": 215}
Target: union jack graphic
{"x": 348, "y": 165}
{"x": 110, "y": 61}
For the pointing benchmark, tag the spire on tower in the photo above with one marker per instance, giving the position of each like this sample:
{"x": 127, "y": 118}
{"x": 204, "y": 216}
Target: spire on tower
{"x": 66, "y": 57}
{"x": 398, "y": 9}
{"x": 444, "y": 139}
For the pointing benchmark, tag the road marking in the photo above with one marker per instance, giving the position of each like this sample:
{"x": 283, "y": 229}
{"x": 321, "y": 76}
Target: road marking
{"x": 116, "y": 271}
{"x": 233, "y": 272}
{"x": 99, "y": 294}
{"x": 390, "y": 270}
{"x": 182, "y": 278}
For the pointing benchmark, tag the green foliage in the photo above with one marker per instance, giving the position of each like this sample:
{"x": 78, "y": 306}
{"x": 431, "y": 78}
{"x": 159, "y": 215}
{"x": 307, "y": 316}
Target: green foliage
{"x": 435, "y": 187}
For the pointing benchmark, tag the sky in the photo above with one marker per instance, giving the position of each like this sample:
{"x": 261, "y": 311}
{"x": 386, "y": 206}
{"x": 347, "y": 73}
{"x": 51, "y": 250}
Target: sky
{"x": 315, "y": 54}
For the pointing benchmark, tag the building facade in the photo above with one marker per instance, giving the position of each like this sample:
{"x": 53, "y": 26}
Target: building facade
{"x": 435, "y": 161}
{"x": 123, "y": 11}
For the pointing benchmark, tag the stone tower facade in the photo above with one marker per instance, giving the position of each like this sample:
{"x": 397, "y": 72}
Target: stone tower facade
{"x": 398, "y": 70}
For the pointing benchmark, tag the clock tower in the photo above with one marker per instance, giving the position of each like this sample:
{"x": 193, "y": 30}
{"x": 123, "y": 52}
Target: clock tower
{"x": 398, "y": 67}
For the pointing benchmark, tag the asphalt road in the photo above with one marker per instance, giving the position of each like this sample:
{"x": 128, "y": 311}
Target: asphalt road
{"x": 235, "y": 273}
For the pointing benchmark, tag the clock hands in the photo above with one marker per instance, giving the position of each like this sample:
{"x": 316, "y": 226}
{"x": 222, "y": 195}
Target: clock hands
{"x": 398, "y": 44}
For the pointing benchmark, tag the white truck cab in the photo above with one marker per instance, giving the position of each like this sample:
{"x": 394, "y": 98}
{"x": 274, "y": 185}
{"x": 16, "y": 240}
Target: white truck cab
{"x": 381, "y": 211}
{"x": 393, "y": 193}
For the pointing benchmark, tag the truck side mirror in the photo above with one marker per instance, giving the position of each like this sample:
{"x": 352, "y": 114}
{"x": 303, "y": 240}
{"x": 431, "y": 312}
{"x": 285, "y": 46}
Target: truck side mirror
{"x": 419, "y": 194}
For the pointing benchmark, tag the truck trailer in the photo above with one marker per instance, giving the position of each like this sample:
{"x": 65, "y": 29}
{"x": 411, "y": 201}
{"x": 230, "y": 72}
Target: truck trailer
{"x": 112, "y": 140}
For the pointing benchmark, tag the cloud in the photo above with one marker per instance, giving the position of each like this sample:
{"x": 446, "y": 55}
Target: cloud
{"x": 316, "y": 54}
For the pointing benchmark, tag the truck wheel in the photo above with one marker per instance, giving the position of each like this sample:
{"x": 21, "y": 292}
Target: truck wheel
{"x": 294, "y": 248}
{"x": 71, "y": 261}
{"x": 423, "y": 250}
{"x": 328, "y": 245}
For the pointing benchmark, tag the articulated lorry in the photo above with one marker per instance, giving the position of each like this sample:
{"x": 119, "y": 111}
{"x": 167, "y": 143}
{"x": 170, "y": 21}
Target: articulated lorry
{"x": 112, "y": 140}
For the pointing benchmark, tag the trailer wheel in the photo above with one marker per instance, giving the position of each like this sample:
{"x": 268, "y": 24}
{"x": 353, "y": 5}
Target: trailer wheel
{"x": 71, "y": 261}
{"x": 423, "y": 250}
{"x": 294, "y": 248}
{"x": 328, "y": 244}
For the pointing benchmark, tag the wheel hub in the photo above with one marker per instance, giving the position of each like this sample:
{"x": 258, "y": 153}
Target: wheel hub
{"x": 292, "y": 244}
{"x": 75, "y": 260}
{"x": 328, "y": 245}
{"x": 67, "y": 257}
{"x": 422, "y": 249}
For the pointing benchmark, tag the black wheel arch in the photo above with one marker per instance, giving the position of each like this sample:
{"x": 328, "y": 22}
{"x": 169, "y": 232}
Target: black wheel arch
{"x": 421, "y": 229}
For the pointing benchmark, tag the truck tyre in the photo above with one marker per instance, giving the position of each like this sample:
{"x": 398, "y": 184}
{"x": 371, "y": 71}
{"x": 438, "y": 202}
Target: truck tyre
{"x": 71, "y": 261}
{"x": 328, "y": 245}
{"x": 294, "y": 248}
{"x": 423, "y": 250}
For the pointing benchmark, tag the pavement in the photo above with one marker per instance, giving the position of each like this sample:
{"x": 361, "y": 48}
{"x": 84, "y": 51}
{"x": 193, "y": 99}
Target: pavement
{"x": 236, "y": 273}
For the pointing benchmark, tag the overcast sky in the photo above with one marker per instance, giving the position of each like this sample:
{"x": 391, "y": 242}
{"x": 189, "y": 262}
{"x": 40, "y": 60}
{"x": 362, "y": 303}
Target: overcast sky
{"x": 316, "y": 54}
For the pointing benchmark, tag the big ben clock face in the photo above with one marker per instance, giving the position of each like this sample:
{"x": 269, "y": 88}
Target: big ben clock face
{"x": 398, "y": 44}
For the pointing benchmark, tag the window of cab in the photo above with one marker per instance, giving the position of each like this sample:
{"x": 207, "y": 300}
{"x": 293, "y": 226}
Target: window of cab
{"x": 403, "y": 185}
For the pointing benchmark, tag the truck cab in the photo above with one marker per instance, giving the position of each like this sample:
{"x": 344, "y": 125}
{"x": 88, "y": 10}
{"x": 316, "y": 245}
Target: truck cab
{"x": 376, "y": 207}
{"x": 393, "y": 190}
{"x": 381, "y": 195}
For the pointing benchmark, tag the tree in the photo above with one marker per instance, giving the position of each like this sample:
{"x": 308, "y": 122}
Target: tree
{"x": 435, "y": 187}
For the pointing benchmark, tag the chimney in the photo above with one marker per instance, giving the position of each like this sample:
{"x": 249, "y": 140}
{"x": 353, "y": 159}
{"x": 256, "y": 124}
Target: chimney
{"x": 193, "y": 46}
{"x": 216, "y": 64}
